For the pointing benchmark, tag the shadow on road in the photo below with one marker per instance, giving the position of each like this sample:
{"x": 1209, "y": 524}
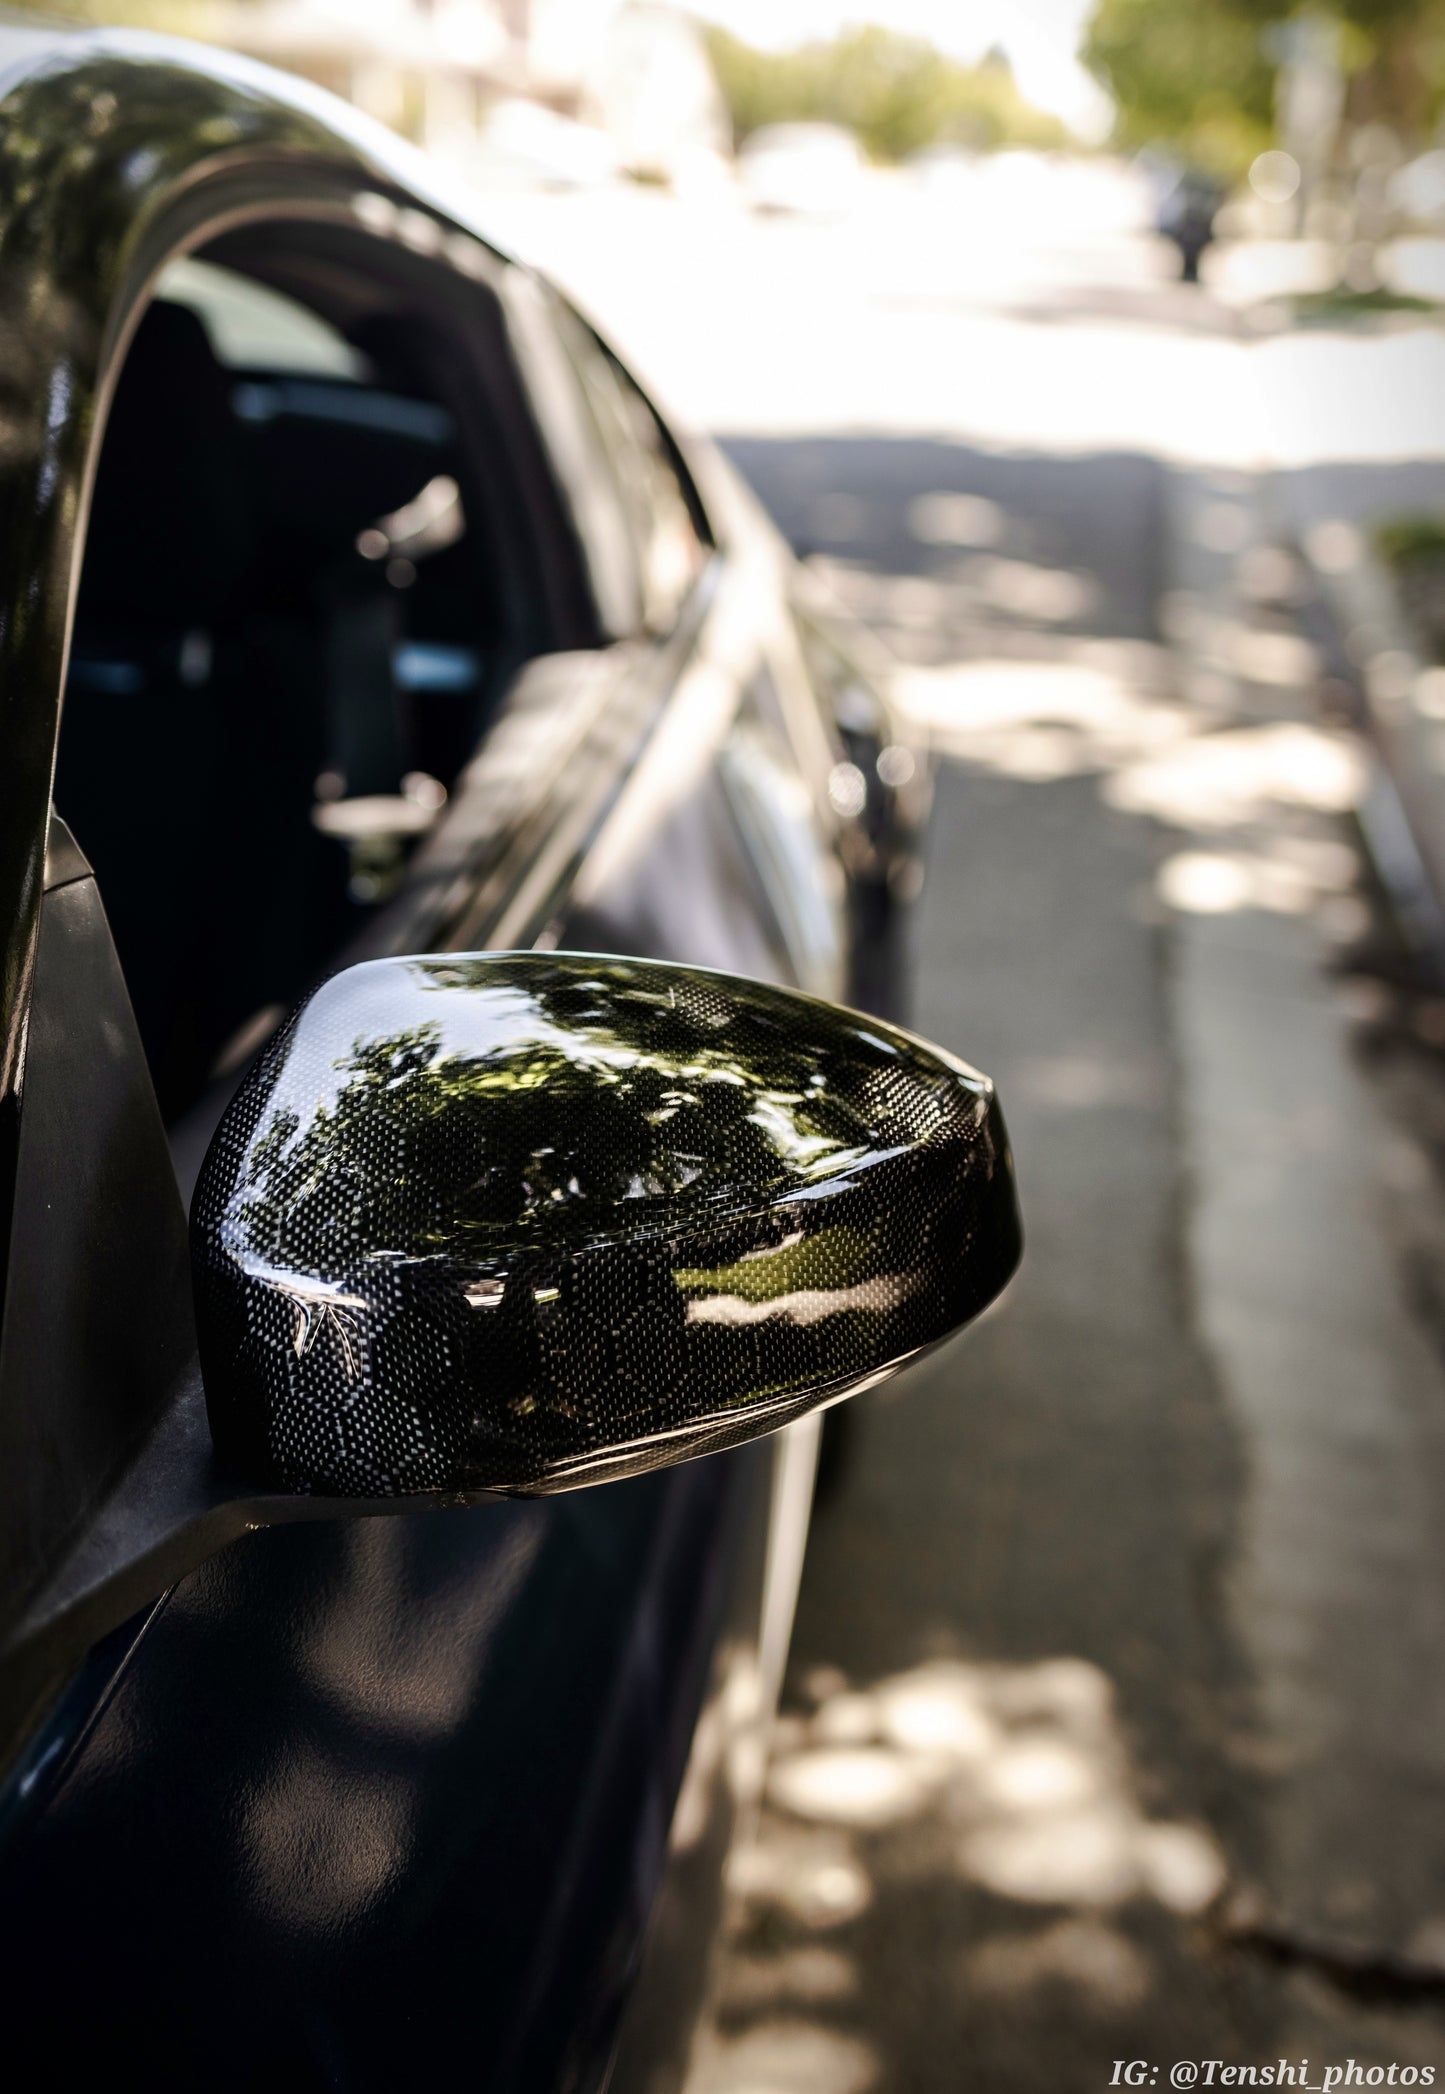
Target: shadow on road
{"x": 1066, "y": 545}
{"x": 1020, "y": 1797}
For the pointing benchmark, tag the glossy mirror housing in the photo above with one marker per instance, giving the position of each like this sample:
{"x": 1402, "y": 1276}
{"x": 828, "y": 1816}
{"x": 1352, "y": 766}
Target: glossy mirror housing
{"x": 520, "y": 1222}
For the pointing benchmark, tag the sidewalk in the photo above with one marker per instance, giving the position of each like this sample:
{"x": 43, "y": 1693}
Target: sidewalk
{"x": 1116, "y": 1720}
{"x": 1306, "y": 1178}
{"x": 1380, "y": 396}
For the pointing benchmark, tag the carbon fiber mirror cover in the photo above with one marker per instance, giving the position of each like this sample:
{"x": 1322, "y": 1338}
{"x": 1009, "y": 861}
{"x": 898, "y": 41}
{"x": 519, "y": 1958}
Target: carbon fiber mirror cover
{"x": 522, "y": 1222}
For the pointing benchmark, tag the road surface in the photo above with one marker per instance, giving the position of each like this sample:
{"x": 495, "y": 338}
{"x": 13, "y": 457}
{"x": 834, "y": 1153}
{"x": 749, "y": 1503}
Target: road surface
{"x": 1115, "y": 1722}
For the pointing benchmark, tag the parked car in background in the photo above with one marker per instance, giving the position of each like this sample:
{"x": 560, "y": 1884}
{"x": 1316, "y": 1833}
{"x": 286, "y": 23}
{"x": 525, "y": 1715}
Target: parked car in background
{"x": 525, "y": 145}
{"x": 801, "y": 170}
{"x": 357, "y": 603}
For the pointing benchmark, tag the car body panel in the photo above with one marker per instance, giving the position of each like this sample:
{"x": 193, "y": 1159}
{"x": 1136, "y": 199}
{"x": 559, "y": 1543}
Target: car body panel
{"x": 360, "y": 1800}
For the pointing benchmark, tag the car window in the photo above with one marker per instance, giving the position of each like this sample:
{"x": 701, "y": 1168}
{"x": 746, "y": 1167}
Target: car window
{"x": 661, "y": 508}
{"x": 249, "y": 325}
{"x": 293, "y": 621}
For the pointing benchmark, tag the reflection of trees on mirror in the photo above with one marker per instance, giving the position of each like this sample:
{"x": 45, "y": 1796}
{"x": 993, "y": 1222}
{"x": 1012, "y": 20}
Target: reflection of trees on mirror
{"x": 609, "y": 1090}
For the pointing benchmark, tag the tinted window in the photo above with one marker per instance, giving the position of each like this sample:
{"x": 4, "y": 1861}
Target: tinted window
{"x": 287, "y": 638}
{"x": 661, "y": 508}
{"x": 250, "y": 326}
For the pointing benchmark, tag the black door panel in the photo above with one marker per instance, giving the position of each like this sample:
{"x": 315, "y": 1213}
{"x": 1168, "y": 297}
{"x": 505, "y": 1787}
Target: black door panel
{"x": 374, "y": 1800}
{"x": 361, "y": 1804}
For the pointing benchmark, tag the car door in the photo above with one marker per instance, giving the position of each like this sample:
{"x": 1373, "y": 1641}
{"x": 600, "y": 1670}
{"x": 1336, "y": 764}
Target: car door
{"x": 353, "y": 1803}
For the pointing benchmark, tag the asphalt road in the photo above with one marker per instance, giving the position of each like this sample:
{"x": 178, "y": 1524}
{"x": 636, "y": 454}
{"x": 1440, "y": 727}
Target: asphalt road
{"x": 1030, "y": 1742}
{"x": 1115, "y": 1721}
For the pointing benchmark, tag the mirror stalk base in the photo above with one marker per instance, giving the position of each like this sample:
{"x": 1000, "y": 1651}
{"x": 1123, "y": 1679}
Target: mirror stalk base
{"x": 173, "y": 1507}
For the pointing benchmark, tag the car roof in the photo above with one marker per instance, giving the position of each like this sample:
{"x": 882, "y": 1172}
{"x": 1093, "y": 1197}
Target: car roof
{"x": 35, "y": 49}
{"x": 26, "y": 41}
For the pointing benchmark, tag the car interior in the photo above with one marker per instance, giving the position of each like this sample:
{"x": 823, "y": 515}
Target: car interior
{"x": 307, "y": 578}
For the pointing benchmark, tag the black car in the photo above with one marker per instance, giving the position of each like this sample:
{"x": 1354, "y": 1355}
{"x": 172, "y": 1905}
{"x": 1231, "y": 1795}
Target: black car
{"x": 358, "y": 605}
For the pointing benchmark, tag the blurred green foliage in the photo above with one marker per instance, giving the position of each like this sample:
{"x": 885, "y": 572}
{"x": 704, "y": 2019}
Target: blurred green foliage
{"x": 170, "y": 17}
{"x": 1188, "y": 73}
{"x": 1199, "y": 75}
{"x": 1405, "y": 541}
{"x": 1344, "y": 302}
{"x": 1398, "y": 62}
{"x": 896, "y": 93}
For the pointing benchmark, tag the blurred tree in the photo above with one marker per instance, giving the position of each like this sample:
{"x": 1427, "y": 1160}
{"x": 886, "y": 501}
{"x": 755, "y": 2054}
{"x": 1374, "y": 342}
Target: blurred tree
{"x": 633, "y": 1099}
{"x": 1395, "y": 55}
{"x": 1194, "y": 76}
{"x": 1201, "y": 77}
{"x": 897, "y": 93}
{"x": 171, "y": 17}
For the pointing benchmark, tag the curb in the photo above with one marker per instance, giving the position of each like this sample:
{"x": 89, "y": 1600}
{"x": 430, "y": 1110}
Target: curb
{"x": 1400, "y": 704}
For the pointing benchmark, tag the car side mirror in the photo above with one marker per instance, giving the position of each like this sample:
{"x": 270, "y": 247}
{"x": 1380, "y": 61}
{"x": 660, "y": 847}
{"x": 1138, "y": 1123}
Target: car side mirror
{"x": 521, "y": 1222}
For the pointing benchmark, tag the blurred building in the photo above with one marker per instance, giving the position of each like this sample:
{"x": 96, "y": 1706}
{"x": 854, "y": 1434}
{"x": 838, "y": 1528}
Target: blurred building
{"x": 635, "y": 72}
